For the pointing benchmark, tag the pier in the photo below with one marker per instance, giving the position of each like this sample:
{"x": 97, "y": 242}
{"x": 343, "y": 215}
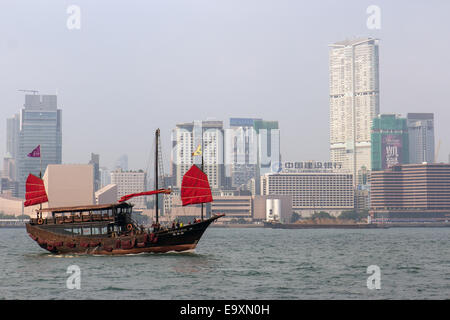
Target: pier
{"x": 13, "y": 223}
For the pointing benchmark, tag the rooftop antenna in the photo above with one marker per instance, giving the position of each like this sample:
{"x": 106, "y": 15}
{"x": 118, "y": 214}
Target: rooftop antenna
{"x": 34, "y": 91}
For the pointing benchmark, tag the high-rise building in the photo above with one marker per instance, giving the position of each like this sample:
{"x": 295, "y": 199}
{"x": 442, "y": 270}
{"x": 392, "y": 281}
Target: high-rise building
{"x": 354, "y": 101}
{"x": 269, "y": 155}
{"x": 390, "y": 143}
{"x": 252, "y": 149}
{"x": 122, "y": 163}
{"x": 12, "y": 135}
{"x": 40, "y": 124}
{"x": 105, "y": 177}
{"x": 9, "y": 174}
{"x": 95, "y": 161}
{"x": 421, "y": 137}
{"x": 129, "y": 182}
{"x": 241, "y": 152}
{"x": 186, "y": 139}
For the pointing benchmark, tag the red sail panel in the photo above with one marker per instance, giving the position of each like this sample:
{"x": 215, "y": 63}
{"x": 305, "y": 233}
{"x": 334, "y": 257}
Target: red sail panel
{"x": 145, "y": 193}
{"x": 195, "y": 187}
{"x": 34, "y": 191}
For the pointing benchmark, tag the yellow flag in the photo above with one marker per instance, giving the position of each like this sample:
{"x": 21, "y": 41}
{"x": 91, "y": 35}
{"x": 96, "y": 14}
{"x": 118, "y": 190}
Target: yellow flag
{"x": 198, "y": 152}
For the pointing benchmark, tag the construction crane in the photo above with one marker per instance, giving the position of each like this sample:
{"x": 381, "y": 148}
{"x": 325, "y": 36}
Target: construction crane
{"x": 437, "y": 151}
{"x": 34, "y": 91}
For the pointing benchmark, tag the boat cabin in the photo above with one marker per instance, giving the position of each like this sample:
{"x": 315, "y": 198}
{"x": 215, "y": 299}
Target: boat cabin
{"x": 94, "y": 220}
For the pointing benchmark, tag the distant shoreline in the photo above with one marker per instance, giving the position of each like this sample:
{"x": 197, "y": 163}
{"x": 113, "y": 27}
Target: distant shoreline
{"x": 335, "y": 226}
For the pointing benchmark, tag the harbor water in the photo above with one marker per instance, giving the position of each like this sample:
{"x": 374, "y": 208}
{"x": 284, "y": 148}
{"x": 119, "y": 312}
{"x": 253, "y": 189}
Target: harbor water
{"x": 241, "y": 263}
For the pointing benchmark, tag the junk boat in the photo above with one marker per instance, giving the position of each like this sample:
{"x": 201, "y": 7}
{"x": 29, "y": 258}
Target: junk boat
{"x": 108, "y": 229}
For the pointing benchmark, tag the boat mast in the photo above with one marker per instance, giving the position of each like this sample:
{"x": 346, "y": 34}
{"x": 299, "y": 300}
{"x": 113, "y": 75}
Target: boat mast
{"x": 202, "y": 167}
{"x": 40, "y": 172}
{"x": 156, "y": 173}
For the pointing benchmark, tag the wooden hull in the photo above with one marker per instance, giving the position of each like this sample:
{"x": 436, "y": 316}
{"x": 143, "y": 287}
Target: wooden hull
{"x": 177, "y": 240}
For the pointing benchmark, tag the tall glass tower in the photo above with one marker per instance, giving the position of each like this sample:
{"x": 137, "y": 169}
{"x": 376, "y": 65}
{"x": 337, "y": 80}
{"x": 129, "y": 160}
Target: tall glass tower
{"x": 421, "y": 137}
{"x": 40, "y": 124}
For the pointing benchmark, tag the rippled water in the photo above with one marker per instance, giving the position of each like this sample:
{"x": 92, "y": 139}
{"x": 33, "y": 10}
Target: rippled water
{"x": 242, "y": 264}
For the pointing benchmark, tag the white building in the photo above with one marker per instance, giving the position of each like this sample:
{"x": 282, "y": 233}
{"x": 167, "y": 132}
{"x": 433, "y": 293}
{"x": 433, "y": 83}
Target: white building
{"x": 106, "y": 195}
{"x": 130, "y": 182}
{"x": 354, "y": 101}
{"x": 315, "y": 191}
{"x": 69, "y": 185}
{"x": 186, "y": 138}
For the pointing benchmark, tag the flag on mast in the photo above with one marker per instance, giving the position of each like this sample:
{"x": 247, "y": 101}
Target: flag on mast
{"x": 198, "y": 152}
{"x": 36, "y": 153}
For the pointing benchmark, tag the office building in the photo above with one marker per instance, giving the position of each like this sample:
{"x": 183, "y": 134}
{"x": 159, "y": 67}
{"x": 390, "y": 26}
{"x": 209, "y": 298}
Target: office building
{"x": 241, "y": 152}
{"x": 40, "y": 124}
{"x": 411, "y": 193}
{"x": 421, "y": 137}
{"x": 313, "y": 191}
{"x": 131, "y": 182}
{"x": 390, "y": 142}
{"x": 236, "y": 208}
{"x": 105, "y": 177}
{"x": 354, "y": 101}
{"x": 95, "y": 161}
{"x": 269, "y": 155}
{"x": 121, "y": 163}
{"x": 186, "y": 139}
{"x": 12, "y": 135}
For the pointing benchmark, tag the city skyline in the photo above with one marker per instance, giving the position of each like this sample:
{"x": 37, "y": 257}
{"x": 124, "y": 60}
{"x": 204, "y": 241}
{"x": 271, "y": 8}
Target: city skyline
{"x": 100, "y": 89}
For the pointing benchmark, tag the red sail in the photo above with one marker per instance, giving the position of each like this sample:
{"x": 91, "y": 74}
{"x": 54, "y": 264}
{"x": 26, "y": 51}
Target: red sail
{"x": 35, "y": 191}
{"x": 145, "y": 193}
{"x": 195, "y": 187}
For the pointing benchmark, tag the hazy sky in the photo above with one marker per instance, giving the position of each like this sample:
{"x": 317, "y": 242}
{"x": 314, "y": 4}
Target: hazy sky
{"x": 134, "y": 66}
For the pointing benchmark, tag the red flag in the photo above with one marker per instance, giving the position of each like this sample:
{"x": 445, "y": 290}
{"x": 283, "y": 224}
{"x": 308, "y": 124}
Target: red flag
{"x": 36, "y": 153}
{"x": 195, "y": 187}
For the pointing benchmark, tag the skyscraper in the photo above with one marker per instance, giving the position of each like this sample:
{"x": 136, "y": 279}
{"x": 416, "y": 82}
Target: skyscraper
{"x": 186, "y": 137}
{"x": 40, "y": 124}
{"x": 12, "y": 135}
{"x": 354, "y": 101}
{"x": 390, "y": 143}
{"x": 269, "y": 156}
{"x": 421, "y": 137}
{"x": 241, "y": 151}
{"x": 95, "y": 161}
{"x": 9, "y": 174}
{"x": 122, "y": 163}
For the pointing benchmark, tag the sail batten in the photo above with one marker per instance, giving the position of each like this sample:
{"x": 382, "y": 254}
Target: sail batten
{"x": 34, "y": 191}
{"x": 145, "y": 193}
{"x": 195, "y": 187}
